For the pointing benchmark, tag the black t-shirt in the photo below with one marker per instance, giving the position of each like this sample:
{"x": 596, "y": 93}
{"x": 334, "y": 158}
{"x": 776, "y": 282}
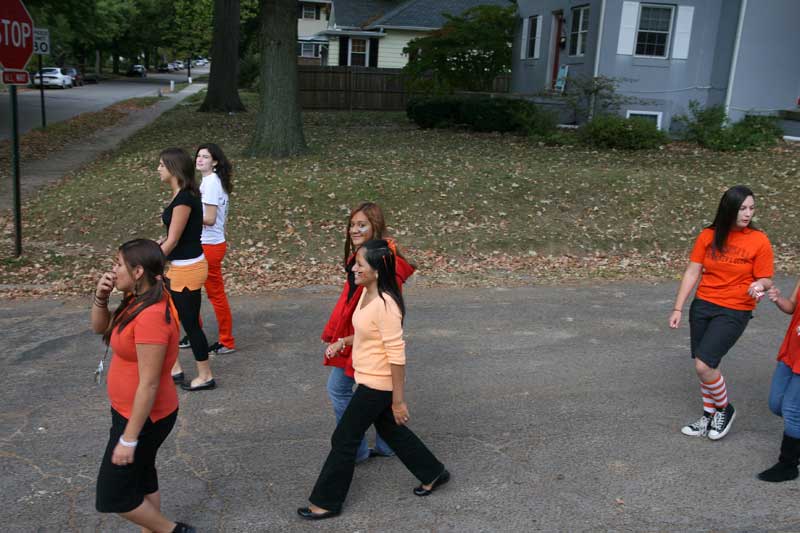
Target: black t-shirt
{"x": 188, "y": 246}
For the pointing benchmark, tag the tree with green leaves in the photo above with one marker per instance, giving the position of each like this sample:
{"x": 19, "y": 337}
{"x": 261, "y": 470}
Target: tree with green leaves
{"x": 467, "y": 53}
{"x": 223, "y": 82}
{"x": 279, "y": 125}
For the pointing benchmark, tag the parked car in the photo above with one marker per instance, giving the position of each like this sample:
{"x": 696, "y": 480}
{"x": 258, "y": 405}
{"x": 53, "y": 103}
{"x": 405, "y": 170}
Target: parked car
{"x": 164, "y": 67}
{"x": 53, "y": 77}
{"x": 174, "y": 66}
{"x": 137, "y": 71}
{"x": 76, "y": 75}
{"x": 201, "y": 61}
{"x": 179, "y": 64}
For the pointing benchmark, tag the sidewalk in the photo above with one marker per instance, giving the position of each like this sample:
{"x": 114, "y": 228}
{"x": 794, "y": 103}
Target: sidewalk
{"x": 36, "y": 174}
{"x": 554, "y": 408}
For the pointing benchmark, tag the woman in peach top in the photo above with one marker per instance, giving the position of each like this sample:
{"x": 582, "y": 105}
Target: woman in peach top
{"x": 379, "y": 364}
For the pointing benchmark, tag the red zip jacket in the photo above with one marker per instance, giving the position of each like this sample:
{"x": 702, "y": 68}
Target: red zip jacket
{"x": 340, "y": 323}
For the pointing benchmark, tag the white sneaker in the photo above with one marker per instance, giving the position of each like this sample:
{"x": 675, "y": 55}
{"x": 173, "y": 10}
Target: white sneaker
{"x": 698, "y": 428}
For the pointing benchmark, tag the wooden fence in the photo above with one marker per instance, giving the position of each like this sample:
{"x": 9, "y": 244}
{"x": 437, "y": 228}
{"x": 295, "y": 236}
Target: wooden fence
{"x": 360, "y": 88}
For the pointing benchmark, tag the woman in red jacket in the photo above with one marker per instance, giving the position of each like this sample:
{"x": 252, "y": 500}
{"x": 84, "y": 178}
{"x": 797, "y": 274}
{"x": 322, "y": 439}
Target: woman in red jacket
{"x": 366, "y": 222}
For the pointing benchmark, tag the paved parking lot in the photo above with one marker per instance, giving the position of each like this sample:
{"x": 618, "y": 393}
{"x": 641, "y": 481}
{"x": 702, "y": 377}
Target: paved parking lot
{"x": 555, "y": 409}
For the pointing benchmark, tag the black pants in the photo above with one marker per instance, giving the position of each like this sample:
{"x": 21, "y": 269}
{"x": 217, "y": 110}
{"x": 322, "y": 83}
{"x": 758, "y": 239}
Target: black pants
{"x": 188, "y": 305}
{"x": 369, "y": 406}
{"x": 122, "y": 488}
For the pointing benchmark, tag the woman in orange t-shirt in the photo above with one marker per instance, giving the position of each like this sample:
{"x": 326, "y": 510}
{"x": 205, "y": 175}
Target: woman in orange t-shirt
{"x": 784, "y": 393}
{"x": 733, "y": 261}
{"x": 143, "y": 336}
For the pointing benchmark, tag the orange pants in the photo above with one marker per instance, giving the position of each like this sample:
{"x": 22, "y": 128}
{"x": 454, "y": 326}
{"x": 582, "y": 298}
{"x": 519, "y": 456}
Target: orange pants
{"x": 215, "y": 290}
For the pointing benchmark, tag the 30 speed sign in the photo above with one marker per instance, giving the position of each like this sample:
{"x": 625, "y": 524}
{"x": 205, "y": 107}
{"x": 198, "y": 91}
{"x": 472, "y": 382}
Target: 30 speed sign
{"x": 41, "y": 41}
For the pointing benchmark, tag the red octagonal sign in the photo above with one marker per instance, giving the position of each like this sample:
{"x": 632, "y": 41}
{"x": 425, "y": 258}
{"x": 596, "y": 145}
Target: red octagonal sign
{"x": 16, "y": 35}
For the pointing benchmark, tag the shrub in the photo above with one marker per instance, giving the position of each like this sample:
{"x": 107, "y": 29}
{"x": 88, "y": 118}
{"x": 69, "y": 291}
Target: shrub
{"x": 613, "y": 131}
{"x": 249, "y": 71}
{"x": 709, "y": 128}
{"x": 702, "y": 126}
{"x": 481, "y": 113}
{"x": 435, "y": 111}
{"x": 489, "y": 114}
{"x": 535, "y": 121}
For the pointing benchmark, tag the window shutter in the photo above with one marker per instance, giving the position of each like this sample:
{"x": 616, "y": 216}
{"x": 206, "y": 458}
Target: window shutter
{"x": 344, "y": 46}
{"x": 317, "y": 9}
{"x": 373, "y": 53}
{"x": 683, "y": 32}
{"x": 627, "y": 28}
{"x": 299, "y": 10}
{"x": 537, "y": 44}
{"x": 523, "y": 43}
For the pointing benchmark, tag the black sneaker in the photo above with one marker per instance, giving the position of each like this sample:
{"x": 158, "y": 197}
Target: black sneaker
{"x": 212, "y": 348}
{"x": 184, "y": 342}
{"x": 721, "y": 423}
{"x": 698, "y": 428}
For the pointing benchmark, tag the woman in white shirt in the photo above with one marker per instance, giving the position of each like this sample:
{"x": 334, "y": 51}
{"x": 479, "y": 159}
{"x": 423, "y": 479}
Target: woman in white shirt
{"x": 214, "y": 190}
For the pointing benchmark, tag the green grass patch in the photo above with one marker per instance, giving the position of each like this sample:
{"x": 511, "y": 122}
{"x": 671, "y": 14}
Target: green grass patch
{"x": 470, "y": 208}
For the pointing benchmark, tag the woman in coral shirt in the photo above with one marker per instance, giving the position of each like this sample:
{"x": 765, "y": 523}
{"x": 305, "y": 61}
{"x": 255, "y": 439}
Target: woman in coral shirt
{"x": 379, "y": 364}
{"x": 784, "y": 394}
{"x": 733, "y": 261}
{"x": 143, "y": 335}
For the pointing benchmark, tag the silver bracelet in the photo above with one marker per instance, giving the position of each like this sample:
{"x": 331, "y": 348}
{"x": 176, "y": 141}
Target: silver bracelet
{"x": 128, "y": 444}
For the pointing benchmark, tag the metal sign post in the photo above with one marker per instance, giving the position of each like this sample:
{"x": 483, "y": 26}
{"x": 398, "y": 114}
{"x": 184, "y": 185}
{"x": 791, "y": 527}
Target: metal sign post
{"x": 15, "y": 172}
{"x": 16, "y": 48}
{"x": 41, "y": 47}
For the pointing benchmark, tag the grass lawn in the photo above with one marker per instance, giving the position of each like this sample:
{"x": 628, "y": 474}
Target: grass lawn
{"x": 40, "y": 143}
{"x": 470, "y": 209}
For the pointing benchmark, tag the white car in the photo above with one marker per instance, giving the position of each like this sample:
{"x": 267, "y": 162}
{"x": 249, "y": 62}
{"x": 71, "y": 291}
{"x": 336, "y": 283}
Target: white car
{"x": 53, "y": 77}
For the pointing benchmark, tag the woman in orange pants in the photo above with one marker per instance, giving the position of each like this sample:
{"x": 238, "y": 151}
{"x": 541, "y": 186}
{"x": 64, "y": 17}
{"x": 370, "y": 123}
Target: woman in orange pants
{"x": 214, "y": 191}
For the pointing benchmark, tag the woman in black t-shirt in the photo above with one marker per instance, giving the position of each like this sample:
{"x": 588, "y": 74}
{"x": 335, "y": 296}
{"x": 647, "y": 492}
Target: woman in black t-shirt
{"x": 188, "y": 268}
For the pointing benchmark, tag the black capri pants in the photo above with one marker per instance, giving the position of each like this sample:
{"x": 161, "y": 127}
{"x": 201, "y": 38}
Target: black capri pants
{"x": 122, "y": 488}
{"x": 714, "y": 330}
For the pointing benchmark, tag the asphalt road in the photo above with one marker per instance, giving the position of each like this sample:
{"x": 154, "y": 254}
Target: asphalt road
{"x": 63, "y": 104}
{"x": 554, "y": 408}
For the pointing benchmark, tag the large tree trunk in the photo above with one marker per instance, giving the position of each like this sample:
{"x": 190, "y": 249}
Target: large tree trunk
{"x": 279, "y": 126}
{"x": 223, "y": 82}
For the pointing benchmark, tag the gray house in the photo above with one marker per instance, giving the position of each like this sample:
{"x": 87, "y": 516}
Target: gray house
{"x": 742, "y": 54}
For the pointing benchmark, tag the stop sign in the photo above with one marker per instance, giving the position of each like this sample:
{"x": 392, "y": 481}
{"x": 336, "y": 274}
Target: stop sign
{"x": 16, "y": 35}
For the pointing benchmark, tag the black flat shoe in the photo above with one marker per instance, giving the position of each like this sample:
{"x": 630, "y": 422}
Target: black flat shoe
{"x": 308, "y": 514}
{"x": 180, "y": 527}
{"x": 177, "y": 378}
{"x": 208, "y": 385}
{"x": 443, "y": 478}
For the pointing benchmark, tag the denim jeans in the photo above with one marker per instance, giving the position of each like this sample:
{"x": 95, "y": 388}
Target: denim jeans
{"x": 340, "y": 390}
{"x": 784, "y": 398}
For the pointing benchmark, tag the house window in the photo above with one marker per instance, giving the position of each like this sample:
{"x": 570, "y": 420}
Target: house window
{"x": 653, "y": 33}
{"x": 532, "y": 33}
{"x": 359, "y": 48}
{"x": 309, "y": 11}
{"x": 308, "y": 50}
{"x": 653, "y": 116}
{"x": 580, "y": 28}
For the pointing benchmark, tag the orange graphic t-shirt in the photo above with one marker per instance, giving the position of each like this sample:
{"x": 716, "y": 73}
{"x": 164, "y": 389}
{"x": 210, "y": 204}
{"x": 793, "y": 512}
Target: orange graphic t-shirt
{"x": 728, "y": 275}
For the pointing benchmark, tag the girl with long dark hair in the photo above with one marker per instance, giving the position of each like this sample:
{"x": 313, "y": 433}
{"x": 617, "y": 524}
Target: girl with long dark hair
{"x": 214, "y": 190}
{"x": 364, "y": 223}
{"x": 143, "y": 335}
{"x": 188, "y": 270}
{"x": 732, "y": 259}
{"x": 379, "y": 363}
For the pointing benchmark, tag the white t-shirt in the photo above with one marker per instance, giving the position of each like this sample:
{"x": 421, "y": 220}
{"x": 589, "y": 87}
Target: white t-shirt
{"x": 212, "y": 193}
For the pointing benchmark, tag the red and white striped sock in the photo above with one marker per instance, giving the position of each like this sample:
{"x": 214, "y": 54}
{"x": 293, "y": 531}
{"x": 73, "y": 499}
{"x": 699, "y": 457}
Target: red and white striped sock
{"x": 709, "y": 407}
{"x": 716, "y": 392}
